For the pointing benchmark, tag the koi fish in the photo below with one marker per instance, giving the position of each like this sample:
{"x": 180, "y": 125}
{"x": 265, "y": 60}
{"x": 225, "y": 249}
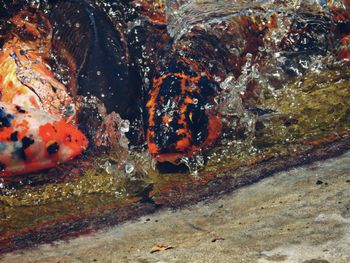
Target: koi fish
{"x": 32, "y": 140}
{"x": 185, "y": 73}
{"x": 37, "y": 113}
{"x": 181, "y": 118}
{"x": 98, "y": 49}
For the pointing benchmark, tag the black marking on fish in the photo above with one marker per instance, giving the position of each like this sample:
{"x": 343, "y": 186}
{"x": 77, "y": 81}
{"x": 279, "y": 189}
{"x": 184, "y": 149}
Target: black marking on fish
{"x": 5, "y": 119}
{"x": 19, "y": 109}
{"x": 26, "y": 142}
{"x": 198, "y": 125}
{"x": 19, "y": 151}
{"x": 14, "y": 136}
{"x": 53, "y": 148}
{"x": 180, "y": 67}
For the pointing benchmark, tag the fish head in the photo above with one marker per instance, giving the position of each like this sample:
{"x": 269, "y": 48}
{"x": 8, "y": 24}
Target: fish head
{"x": 181, "y": 115}
{"x": 32, "y": 140}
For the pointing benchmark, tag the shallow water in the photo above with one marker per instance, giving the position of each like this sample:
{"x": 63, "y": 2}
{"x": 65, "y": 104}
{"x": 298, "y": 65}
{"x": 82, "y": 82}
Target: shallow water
{"x": 298, "y": 110}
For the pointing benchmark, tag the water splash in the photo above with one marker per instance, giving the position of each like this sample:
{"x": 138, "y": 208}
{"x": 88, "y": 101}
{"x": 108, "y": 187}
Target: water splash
{"x": 303, "y": 100}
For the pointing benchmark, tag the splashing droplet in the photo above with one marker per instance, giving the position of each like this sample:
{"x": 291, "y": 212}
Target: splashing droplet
{"x": 129, "y": 168}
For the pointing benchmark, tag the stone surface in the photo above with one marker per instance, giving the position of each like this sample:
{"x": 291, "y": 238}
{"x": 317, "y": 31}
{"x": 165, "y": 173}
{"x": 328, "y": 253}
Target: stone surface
{"x": 302, "y": 215}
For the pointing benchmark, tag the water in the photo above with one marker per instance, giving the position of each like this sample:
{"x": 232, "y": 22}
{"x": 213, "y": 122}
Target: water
{"x": 300, "y": 93}
{"x": 182, "y": 15}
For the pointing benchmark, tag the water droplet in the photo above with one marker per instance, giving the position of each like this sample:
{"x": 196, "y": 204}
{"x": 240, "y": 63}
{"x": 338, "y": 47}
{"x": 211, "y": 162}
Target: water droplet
{"x": 129, "y": 168}
{"x": 108, "y": 167}
{"x": 124, "y": 126}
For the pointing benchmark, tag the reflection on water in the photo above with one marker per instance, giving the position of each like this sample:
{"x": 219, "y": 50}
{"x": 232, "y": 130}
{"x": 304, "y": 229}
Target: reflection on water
{"x": 299, "y": 92}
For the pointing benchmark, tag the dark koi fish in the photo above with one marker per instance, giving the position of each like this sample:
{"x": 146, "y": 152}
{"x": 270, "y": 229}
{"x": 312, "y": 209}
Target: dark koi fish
{"x": 185, "y": 73}
{"x": 181, "y": 108}
{"x": 181, "y": 117}
{"x": 96, "y": 52}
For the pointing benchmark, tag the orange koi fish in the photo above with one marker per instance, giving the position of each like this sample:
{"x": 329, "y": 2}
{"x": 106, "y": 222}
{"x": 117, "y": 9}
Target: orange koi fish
{"x": 37, "y": 114}
{"x": 32, "y": 140}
